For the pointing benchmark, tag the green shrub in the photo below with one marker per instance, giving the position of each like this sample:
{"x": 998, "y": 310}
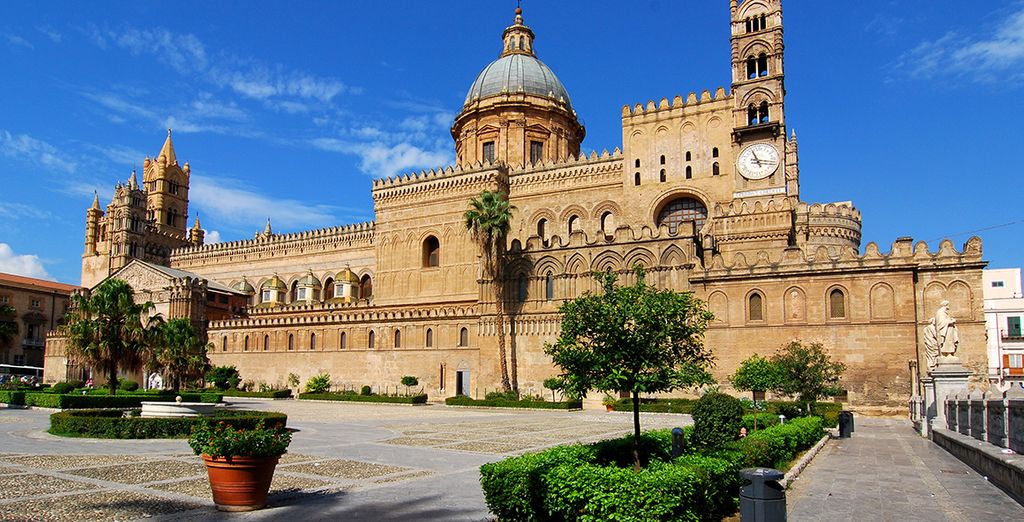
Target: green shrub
{"x": 223, "y": 377}
{"x": 366, "y": 391}
{"x": 657, "y": 405}
{"x": 514, "y": 489}
{"x": 62, "y": 387}
{"x": 128, "y": 385}
{"x": 828, "y": 411}
{"x": 12, "y": 397}
{"x": 654, "y": 445}
{"x": 266, "y": 394}
{"x": 217, "y": 439}
{"x": 78, "y": 401}
{"x": 764, "y": 420}
{"x": 510, "y": 395}
{"x": 717, "y": 419}
{"x": 76, "y": 384}
{"x": 114, "y": 424}
{"x": 349, "y": 396}
{"x": 462, "y": 400}
{"x": 776, "y": 446}
{"x": 319, "y": 383}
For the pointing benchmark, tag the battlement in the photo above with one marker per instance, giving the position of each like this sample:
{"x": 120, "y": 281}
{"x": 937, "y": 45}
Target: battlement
{"x": 542, "y": 173}
{"x": 677, "y": 106}
{"x": 334, "y": 313}
{"x": 355, "y": 234}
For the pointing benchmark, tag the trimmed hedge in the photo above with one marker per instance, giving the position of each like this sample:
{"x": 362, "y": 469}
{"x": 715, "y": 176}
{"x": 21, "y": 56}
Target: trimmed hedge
{"x": 77, "y": 401}
{"x": 596, "y": 482}
{"x": 462, "y": 400}
{"x": 828, "y": 411}
{"x": 657, "y": 405}
{"x": 13, "y": 397}
{"x": 272, "y": 394}
{"x": 764, "y": 420}
{"x": 352, "y": 397}
{"x": 113, "y": 424}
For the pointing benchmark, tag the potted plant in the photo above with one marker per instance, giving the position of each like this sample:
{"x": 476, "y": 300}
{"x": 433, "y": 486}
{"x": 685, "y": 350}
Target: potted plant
{"x": 240, "y": 462}
{"x": 609, "y": 402}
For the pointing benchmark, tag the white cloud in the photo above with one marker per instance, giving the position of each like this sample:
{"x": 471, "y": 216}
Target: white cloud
{"x": 211, "y": 237}
{"x": 382, "y": 160}
{"x": 990, "y": 58}
{"x": 24, "y": 265}
{"x": 229, "y": 203}
{"x": 119, "y": 154}
{"x": 184, "y": 52}
{"x": 18, "y": 41}
{"x": 50, "y": 33}
{"x": 21, "y": 211}
{"x": 28, "y": 149}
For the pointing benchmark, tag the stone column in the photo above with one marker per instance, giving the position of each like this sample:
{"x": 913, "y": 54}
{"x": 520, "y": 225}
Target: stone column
{"x": 931, "y": 406}
{"x": 1015, "y": 419}
{"x": 978, "y": 415}
{"x": 996, "y": 422}
{"x": 948, "y": 379}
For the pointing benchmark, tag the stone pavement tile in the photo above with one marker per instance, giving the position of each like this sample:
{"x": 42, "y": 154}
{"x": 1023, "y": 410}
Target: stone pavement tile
{"x": 200, "y": 488}
{"x": 294, "y": 458}
{"x": 406, "y": 476}
{"x": 94, "y": 507}
{"x": 419, "y": 441}
{"x": 348, "y": 469}
{"x": 142, "y": 472}
{"x": 71, "y": 461}
{"x": 487, "y": 447}
{"x": 28, "y": 485}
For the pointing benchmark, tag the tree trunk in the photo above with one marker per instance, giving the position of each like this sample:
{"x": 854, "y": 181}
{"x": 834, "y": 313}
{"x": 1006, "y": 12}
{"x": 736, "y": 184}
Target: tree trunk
{"x": 500, "y": 305}
{"x": 636, "y": 430}
{"x": 112, "y": 380}
{"x": 515, "y": 366}
{"x": 177, "y": 382}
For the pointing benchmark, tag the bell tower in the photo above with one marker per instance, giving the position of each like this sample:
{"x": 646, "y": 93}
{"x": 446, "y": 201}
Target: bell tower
{"x": 759, "y": 91}
{"x": 166, "y": 185}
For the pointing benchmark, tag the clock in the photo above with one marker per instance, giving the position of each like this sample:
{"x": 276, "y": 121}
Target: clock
{"x": 758, "y": 161}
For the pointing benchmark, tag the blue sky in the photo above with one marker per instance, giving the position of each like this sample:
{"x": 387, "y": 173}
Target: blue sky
{"x": 910, "y": 109}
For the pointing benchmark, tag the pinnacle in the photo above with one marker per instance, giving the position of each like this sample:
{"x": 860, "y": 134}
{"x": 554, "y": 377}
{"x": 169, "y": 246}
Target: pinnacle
{"x": 95, "y": 200}
{"x": 168, "y": 150}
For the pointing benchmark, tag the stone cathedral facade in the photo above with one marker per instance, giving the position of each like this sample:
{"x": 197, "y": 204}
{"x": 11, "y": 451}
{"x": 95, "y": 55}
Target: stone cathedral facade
{"x": 704, "y": 193}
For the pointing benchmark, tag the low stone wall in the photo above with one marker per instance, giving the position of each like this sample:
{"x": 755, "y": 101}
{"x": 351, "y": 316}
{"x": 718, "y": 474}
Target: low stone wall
{"x": 994, "y": 417}
{"x": 1006, "y": 470}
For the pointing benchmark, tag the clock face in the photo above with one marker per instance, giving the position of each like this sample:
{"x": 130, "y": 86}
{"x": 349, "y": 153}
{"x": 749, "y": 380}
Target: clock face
{"x": 758, "y": 161}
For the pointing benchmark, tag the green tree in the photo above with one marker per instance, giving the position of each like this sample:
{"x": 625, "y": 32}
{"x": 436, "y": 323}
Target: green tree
{"x": 807, "y": 372}
{"x": 409, "y": 381}
{"x": 223, "y": 377}
{"x": 554, "y": 384}
{"x": 488, "y": 220}
{"x": 109, "y": 330}
{"x": 756, "y": 374}
{"x": 178, "y": 350}
{"x": 8, "y": 325}
{"x": 635, "y": 339}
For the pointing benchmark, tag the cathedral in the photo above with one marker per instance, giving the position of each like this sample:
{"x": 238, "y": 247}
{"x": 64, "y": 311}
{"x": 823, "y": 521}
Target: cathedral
{"x": 704, "y": 193}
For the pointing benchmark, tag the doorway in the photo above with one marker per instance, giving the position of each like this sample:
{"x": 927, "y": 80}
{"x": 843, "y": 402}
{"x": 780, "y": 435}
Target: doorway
{"x": 462, "y": 382}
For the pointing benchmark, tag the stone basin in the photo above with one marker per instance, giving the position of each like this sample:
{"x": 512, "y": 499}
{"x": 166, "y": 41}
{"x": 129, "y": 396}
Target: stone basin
{"x": 177, "y": 409}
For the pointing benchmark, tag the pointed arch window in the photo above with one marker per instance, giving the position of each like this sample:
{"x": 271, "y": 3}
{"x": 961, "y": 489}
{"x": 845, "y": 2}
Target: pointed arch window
{"x": 430, "y": 338}
{"x": 549, "y": 286}
{"x": 762, "y": 64}
{"x": 606, "y": 223}
{"x": 266, "y": 343}
{"x": 366, "y": 287}
{"x": 751, "y": 68}
{"x": 312, "y": 341}
{"x": 370, "y": 340}
{"x": 637, "y": 163}
{"x": 836, "y": 304}
{"x": 464, "y": 336}
{"x": 662, "y": 159}
{"x": 291, "y": 341}
{"x": 715, "y": 169}
{"x": 762, "y": 112}
{"x": 431, "y": 252}
{"x": 636, "y": 179}
{"x": 342, "y": 339}
{"x": 688, "y": 156}
{"x": 689, "y": 172}
{"x": 398, "y": 338}
{"x": 752, "y": 114}
{"x": 662, "y": 175}
{"x": 755, "y": 307}
{"x": 245, "y": 345}
{"x": 542, "y": 230}
{"x": 523, "y": 285}
{"x": 714, "y": 152}
{"x": 224, "y": 344}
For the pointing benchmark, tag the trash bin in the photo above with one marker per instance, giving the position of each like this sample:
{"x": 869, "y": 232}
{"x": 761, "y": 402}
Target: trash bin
{"x": 762, "y": 498}
{"x": 845, "y": 424}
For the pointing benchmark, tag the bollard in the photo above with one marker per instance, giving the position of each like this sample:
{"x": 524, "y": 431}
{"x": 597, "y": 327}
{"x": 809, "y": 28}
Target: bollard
{"x": 845, "y": 424}
{"x": 678, "y": 442}
{"x": 762, "y": 498}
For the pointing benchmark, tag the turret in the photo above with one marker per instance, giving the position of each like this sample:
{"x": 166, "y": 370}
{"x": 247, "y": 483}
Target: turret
{"x": 196, "y": 235}
{"x": 167, "y": 185}
{"x": 92, "y": 224}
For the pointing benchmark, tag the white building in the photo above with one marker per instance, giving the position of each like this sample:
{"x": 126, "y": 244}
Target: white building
{"x": 1004, "y": 309}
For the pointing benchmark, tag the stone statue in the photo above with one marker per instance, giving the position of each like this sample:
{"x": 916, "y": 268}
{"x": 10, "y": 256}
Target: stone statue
{"x": 931, "y": 345}
{"x": 945, "y": 330}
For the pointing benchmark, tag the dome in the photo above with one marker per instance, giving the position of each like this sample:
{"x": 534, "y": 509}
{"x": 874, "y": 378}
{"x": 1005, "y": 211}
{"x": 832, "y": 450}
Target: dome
{"x": 244, "y": 287}
{"x": 309, "y": 280}
{"x": 518, "y": 73}
{"x": 275, "y": 283}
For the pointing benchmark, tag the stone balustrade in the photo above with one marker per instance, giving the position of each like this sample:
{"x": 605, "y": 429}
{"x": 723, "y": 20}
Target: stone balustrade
{"x": 994, "y": 416}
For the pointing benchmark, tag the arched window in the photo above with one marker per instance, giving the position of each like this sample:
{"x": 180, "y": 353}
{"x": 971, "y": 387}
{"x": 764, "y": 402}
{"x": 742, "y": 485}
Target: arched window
{"x": 752, "y": 114}
{"x": 366, "y": 287}
{"x": 370, "y": 340}
{"x": 245, "y": 346}
{"x": 542, "y": 229}
{"x": 342, "y": 339}
{"x": 688, "y": 156}
{"x": 430, "y": 338}
{"x": 751, "y": 68}
{"x": 574, "y": 224}
{"x": 294, "y": 294}
{"x": 312, "y": 341}
{"x": 689, "y": 172}
{"x": 523, "y": 287}
{"x": 715, "y": 170}
{"x": 762, "y": 65}
{"x": 662, "y": 175}
{"x": 755, "y": 307}
{"x": 714, "y": 152}
{"x": 636, "y": 179}
{"x": 398, "y": 338}
{"x": 637, "y": 163}
{"x": 662, "y": 159}
{"x": 224, "y": 344}
{"x": 431, "y": 252}
{"x": 291, "y": 342}
{"x": 762, "y": 112}
{"x": 266, "y": 343}
{"x": 680, "y": 210}
{"x": 328, "y": 288}
{"x": 464, "y": 336}
{"x": 606, "y": 223}
{"x": 749, "y": 25}
{"x": 549, "y": 286}
{"x": 836, "y": 304}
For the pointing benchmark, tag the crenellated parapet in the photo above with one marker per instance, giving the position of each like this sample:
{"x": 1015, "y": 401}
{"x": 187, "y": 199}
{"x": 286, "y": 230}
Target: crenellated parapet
{"x": 346, "y": 313}
{"x": 429, "y": 183}
{"x": 344, "y": 236}
{"x": 830, "y": 224}
{"x": 678, "y": 106}
{"x": 595, "y": 169}
{"x": 820, "y": 260}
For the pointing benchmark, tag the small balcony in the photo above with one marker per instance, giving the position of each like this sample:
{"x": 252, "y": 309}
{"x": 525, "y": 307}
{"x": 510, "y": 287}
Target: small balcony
{"x": 33, "y": 343}
{"x": 1012, "y": 337}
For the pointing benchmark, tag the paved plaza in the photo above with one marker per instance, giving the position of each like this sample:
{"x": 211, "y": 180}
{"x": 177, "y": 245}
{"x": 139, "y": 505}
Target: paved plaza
{"x": 384, "y": 462}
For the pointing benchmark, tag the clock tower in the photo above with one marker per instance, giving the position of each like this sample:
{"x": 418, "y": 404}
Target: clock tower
{"x": 762, "y": 153}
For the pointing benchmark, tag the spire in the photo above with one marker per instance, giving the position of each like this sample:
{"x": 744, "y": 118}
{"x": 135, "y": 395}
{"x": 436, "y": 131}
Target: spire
{"x": 133, "y": 183}
{"x": 168, "y": 150}
{"x": 95, "y": 201}
{"x": 518, "y": 37}
{"x": 267, "y": 230}
{"x": 197, "y": 226}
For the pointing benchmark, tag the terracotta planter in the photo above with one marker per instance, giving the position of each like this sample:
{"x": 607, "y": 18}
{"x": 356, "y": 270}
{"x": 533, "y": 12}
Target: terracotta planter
{"x": 609, "y": 407}
{"x": 240, "y": 483}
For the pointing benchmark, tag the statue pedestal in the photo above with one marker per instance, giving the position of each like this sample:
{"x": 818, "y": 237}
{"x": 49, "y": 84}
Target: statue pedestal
{"x": 948, "y": 378}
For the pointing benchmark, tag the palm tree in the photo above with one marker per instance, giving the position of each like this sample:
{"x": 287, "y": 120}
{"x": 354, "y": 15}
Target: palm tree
{"x": 178, "y": 350}
{"x": 8, "y": 325}
{"x": 489, "y": 220}
{"x": 109, "y": 329}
